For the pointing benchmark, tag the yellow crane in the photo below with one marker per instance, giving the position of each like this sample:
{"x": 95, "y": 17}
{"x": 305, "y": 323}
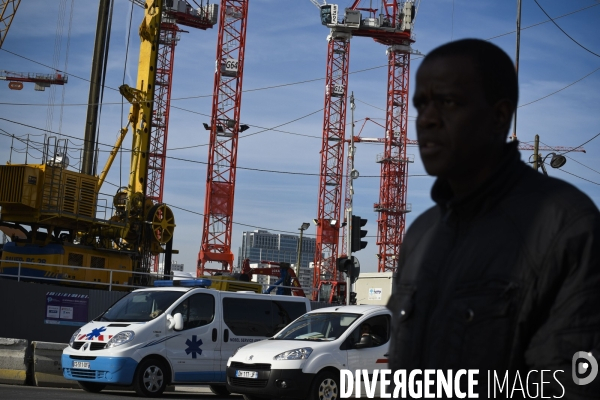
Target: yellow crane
{"x": 60, "y": 205}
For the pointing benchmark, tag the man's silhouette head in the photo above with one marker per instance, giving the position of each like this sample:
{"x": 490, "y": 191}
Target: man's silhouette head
{"x": 466, "y": 93}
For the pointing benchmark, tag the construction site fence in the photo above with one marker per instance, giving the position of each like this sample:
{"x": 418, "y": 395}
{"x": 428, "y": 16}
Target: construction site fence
{"x": 24, "y": 275}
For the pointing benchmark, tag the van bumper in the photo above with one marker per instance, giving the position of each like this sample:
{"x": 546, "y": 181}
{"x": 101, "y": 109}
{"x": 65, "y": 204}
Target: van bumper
{"x": 112, "y": 370}
{"x": 275, "y": 383}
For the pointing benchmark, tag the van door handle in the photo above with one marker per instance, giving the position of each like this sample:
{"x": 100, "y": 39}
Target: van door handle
{"x": 226, "y": 335}
{"x": 214, "y": 334}
{"x": 386, "y": 354}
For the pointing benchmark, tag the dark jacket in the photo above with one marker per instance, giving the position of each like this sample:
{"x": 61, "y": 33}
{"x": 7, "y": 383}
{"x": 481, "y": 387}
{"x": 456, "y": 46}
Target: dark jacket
{"x": 506, "y": 279}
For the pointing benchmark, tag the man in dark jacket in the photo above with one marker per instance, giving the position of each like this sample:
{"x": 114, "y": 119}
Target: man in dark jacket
{"x": 503, "y": 273}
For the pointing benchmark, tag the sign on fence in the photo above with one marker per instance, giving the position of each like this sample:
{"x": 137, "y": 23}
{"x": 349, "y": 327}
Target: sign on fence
{"x": 66, "y": 309}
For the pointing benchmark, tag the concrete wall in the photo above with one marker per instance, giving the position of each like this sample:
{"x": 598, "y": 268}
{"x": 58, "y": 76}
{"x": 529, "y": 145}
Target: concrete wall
{"x": 23, "y": 309}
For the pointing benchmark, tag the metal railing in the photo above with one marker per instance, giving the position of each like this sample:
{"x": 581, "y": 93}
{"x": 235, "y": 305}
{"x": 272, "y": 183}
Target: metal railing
{"x": 23, "y": 274}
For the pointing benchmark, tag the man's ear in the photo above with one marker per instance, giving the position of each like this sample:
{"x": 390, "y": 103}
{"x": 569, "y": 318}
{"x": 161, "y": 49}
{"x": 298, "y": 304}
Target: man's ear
{"x": 503, "y": 112}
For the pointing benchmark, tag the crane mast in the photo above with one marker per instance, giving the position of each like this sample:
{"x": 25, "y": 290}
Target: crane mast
{"x": 392, "y": 206}
{"x": 224, "y": 130}
{"x": 392, "y": 26}
{"x": 332, "y": 158}
{"x": 177, "y": 12}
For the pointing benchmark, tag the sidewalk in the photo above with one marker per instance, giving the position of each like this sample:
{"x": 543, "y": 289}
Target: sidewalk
{"x": 193, "y": 389}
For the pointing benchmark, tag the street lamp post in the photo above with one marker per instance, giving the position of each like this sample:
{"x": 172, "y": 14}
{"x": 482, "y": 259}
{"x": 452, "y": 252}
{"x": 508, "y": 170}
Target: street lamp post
{"x": 304, "y": 227}
{"x": 557, "y": 160}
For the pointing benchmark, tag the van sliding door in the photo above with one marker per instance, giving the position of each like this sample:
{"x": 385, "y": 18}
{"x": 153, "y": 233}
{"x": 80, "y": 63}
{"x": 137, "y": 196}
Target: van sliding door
{"x": 194, "y": 351}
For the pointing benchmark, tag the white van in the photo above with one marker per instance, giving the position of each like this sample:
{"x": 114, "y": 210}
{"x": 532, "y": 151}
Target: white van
{"x": 159, "y": 336}
{"x": 304, "y": 360}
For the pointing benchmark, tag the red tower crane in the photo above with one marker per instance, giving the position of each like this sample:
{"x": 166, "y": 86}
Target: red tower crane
{"x": 392, "y": 26}
{"x": 224, "y": 130}
{"x": 174, "y": 12}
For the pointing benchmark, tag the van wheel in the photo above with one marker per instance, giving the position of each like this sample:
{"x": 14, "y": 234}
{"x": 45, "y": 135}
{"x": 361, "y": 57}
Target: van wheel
{"x": 92, "y": 387}
{"x": 219, "y": 390}
{"x": 150, "y": 379}
{"x": 325, "y": 387}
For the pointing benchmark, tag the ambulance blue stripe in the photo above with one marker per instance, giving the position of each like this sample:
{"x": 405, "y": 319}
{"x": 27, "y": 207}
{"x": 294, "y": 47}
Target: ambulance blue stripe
{"x": 152, "y": 343}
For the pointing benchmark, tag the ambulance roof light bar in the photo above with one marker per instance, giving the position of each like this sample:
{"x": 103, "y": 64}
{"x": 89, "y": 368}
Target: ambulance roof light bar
{"x": 204, "y": 283}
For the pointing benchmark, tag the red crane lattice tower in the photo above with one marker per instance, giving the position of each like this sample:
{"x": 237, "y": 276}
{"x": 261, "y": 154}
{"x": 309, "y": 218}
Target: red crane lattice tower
{"x": 332, "y": 159}
{"x": 390, "y": 26}
{"x": 392, "y": 206}
{"x": 160, "y": 119}
{"x": 157, "y": 156}
{"x": 202, "y": 18}
{"x": 395, "y": 31}
{"x": 224, "y": 130}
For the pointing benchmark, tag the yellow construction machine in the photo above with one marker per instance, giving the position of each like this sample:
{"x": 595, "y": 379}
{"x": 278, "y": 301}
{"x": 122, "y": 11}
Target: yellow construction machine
{"x": 52, "y": 215}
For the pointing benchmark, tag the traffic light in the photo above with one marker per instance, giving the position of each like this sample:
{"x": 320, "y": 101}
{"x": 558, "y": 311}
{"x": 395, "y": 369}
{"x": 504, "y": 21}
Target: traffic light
{"x": 357, "y": 234}
{"x": 344, "y": 264}
{"x": 353, "y": 298}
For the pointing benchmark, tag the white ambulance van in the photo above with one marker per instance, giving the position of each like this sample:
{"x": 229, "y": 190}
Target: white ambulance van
{"x": 180, "y": 334}
{"x": 304, "y": 360}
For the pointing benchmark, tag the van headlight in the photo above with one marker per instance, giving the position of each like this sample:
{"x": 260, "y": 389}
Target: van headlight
{"x": 296, "y": 354}
{"x": 74, "y": 337}
{"x": 120, "y": 338}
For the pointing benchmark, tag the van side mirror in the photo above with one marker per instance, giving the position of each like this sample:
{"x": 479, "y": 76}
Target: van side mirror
{"x": 175, "y": 321}
{"x": 365, "y": 341}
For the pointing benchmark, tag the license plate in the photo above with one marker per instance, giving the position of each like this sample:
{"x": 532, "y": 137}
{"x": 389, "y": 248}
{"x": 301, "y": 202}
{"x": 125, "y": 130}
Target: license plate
{"x": 81, "y": 364}
{"x": 246, "y": 374}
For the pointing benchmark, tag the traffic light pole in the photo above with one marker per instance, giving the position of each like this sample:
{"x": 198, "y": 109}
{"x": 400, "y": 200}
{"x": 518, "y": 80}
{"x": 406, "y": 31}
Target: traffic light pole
{"x": 351, "y": 192}
{"x": 348, "y": 244}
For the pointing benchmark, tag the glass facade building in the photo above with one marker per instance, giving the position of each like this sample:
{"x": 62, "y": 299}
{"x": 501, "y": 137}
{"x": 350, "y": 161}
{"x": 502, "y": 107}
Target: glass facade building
{"x": 261, "y": 245}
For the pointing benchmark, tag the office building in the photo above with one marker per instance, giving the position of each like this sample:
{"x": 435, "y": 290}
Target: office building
{"x": 261, "y": 245}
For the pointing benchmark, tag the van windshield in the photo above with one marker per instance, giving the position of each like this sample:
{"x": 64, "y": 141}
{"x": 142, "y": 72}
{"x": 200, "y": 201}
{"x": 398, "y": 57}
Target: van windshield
{"x": 140, "y": 306}
{"x": 318, "y": 327}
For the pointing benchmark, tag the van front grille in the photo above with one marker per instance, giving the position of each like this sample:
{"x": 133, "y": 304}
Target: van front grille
{"x": 250, "y": 367}
{"x": 90, "y": 358}
{"x": 93, "y": 345}
{"x": 245, "y": 382}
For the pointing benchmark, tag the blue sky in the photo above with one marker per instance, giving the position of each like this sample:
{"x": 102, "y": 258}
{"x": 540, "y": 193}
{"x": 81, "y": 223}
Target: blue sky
{"x": 286, "y": 44}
